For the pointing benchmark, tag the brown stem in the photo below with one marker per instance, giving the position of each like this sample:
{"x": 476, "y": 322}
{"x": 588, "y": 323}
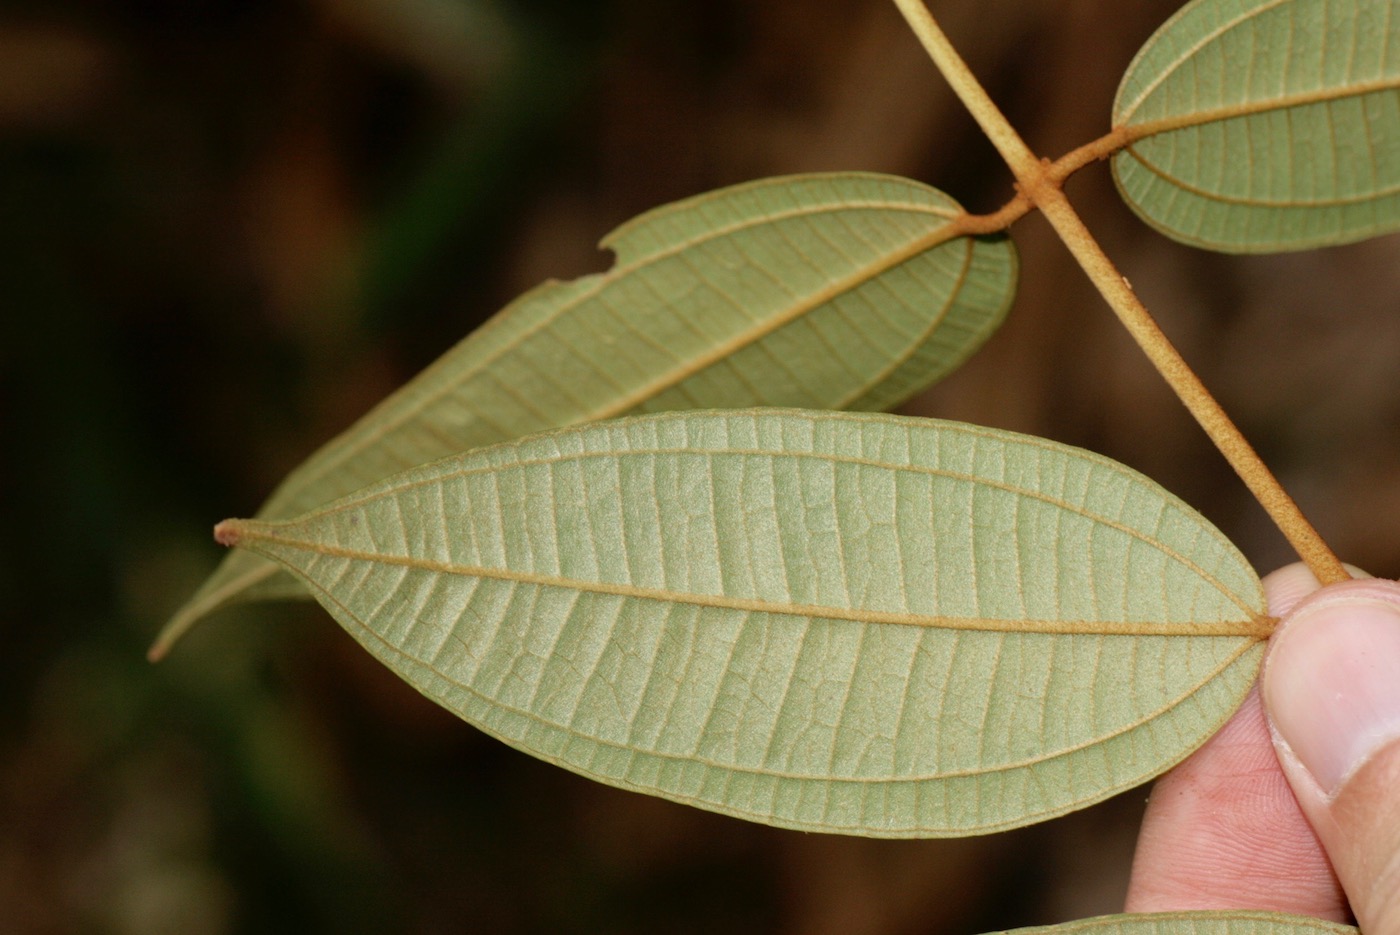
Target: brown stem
{"x": 1040, "y": 183}
{"x": 1189, "y": 389}
{"x": 975, "y": 225}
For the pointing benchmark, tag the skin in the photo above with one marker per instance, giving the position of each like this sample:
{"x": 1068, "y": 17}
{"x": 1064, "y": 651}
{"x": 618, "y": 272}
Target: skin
{"x": 1225, "y": 829}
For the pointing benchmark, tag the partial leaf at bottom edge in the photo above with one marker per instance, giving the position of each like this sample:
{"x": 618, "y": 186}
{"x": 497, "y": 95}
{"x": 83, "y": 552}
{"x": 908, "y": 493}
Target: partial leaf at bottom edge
{"x": 862, "y": 624}
{"x": 1197, "y": 922}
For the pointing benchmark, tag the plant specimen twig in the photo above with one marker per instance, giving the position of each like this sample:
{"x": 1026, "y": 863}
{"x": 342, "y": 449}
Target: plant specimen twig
{"x": 1040, "y": 182}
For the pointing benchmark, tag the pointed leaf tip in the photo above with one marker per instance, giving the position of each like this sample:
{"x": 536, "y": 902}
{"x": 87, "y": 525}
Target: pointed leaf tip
{"x": 228, "y": 533}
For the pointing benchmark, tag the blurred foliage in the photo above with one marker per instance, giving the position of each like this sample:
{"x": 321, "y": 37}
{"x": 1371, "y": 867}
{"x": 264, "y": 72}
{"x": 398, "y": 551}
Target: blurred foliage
{"x": 228, "y": 227}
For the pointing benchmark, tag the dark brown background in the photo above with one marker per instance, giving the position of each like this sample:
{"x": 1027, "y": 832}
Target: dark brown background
{"x": 227, "y": 227}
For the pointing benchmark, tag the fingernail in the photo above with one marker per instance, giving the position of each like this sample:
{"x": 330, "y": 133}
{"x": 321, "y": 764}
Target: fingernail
{"x": 1332, "y": 683}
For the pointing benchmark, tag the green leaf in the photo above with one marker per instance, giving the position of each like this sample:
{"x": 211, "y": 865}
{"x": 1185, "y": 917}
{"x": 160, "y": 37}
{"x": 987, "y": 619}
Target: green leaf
{"x": 1265, "y": 125}
{"x": 1212, "y": 922}
{"x": 840, "y": 291}
{"x": 864, "y": 624}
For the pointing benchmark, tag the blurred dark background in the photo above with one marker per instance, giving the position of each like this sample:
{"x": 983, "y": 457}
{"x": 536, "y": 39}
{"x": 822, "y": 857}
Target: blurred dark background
{"x": 227, "y": 227}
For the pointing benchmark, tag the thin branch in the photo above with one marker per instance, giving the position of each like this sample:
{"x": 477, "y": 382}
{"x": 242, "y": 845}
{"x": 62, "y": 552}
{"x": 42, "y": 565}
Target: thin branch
{"x": 1191, "y": 391}
{"x": 976, "y": 225}
{"x": 1041, "y": 183}
{"x": 1003, "y": 136}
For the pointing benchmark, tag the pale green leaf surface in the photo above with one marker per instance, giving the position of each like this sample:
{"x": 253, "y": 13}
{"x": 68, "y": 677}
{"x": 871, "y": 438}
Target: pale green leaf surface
{"x": 830, "y": 291}
{"x": 1197, "y": 922}
{"x": 1266, "y": 125}
{"x": 864, "y": 624}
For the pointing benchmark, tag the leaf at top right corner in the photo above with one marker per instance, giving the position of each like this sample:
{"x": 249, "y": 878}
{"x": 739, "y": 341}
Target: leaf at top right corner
{"x": 1259, "y": 126}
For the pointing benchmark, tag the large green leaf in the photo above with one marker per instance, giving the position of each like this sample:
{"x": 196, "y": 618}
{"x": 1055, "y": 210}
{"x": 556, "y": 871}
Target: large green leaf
{"x": 832, "y": 291}
{"x": 1266, "y": 125}
{"x": 865, "y": 624}
{"x": 1211, "y": 922}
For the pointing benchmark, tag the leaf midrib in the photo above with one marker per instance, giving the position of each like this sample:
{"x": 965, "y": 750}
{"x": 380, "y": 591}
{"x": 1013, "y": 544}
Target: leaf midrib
{"x": 1076, "y": 509}
{"x": 1281, "y": 204}
{"x": 490, "y": 701}
{"x": 1256, "y": 627}
{"x": 1135, "y": 132}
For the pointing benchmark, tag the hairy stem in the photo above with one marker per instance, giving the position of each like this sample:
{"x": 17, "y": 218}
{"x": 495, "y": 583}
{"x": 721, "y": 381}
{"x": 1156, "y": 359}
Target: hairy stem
{"x": 1227, "y": 437}
{"x": 1041, "y": 184}
{"x": 1095, "y": 151}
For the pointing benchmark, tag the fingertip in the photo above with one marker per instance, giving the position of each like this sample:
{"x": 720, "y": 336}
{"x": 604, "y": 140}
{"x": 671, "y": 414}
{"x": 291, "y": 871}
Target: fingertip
{"x": 1331, "y": 684}
{"x": 1331, "y": 689}
{"x": 1362, "y": 834}
{"x": 1223, "y": 831}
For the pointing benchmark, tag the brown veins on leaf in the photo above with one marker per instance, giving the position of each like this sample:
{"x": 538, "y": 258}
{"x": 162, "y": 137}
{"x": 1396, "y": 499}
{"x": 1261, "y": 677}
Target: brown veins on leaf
{"x": 233, "y": 532}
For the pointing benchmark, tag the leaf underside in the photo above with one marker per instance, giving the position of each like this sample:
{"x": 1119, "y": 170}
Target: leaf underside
{"x": 862, "y": 624}
{"x": 841, "y": 291}
{"x": 1214, "y": 922}
{"x": 1266, "y": 125}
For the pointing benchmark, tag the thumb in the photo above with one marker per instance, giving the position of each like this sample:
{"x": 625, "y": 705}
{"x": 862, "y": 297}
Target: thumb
{"x": 1331, "y": 687}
